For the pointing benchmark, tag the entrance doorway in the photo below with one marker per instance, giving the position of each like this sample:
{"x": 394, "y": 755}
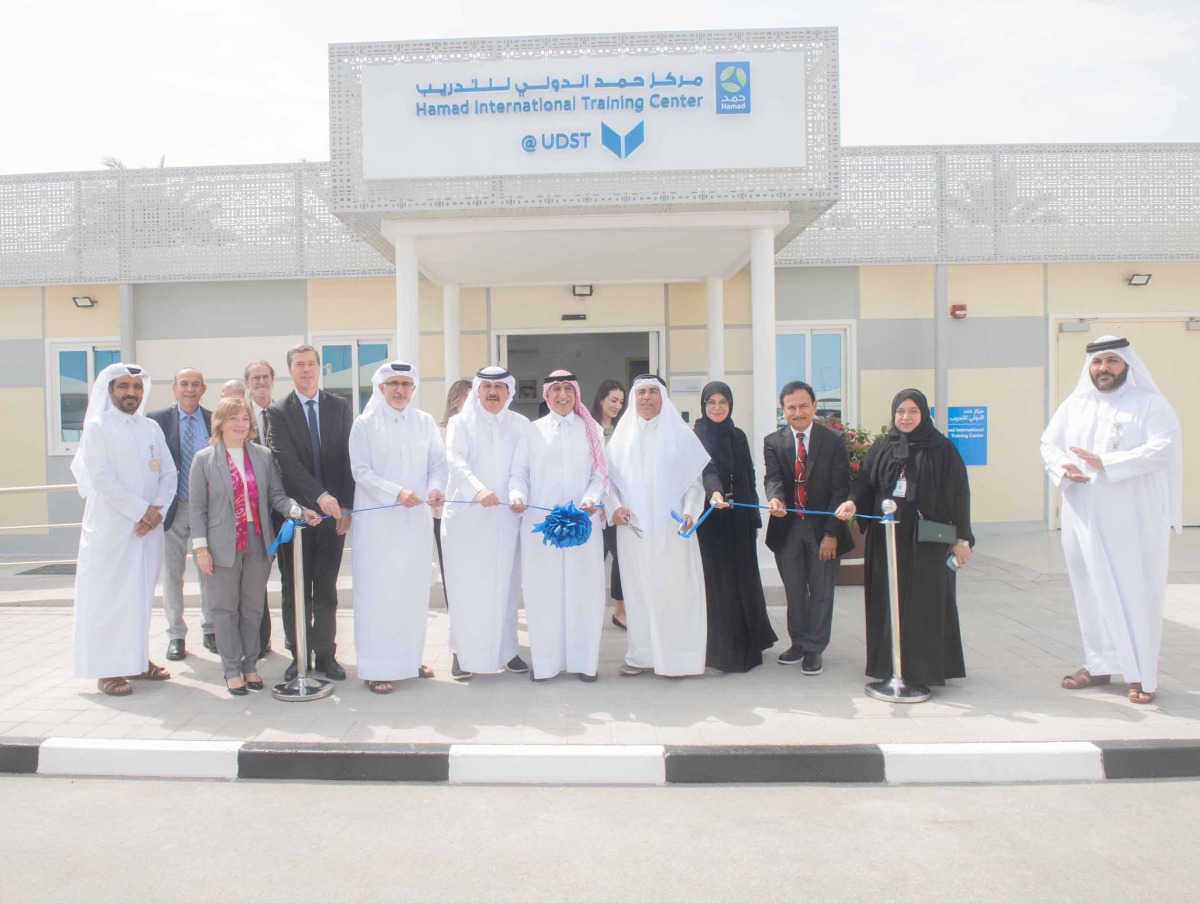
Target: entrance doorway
{"x": 591, "y": 356}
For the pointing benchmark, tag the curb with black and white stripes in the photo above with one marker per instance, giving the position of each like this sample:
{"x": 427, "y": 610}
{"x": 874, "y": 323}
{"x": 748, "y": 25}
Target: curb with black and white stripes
{"x": 885, "y": 763}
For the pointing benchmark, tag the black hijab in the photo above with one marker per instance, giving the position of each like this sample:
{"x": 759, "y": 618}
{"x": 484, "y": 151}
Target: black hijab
{"x": 717, "y": 438}
{"x": 909, "y": 452}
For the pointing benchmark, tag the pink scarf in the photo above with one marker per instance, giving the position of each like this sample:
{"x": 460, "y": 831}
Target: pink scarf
{"x": 239, "y": 496}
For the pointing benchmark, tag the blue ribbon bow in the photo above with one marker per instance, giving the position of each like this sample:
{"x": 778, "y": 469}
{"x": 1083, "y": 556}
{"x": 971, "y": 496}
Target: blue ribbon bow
{"x": 564, "y": 527}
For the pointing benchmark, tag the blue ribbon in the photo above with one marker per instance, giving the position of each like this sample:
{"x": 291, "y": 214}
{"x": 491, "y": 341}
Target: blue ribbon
{"x": 805, "y": 511}
{"x": 684, "y": 534}
{"x": 284, "y": 534}
{"x": 564, "y": 527}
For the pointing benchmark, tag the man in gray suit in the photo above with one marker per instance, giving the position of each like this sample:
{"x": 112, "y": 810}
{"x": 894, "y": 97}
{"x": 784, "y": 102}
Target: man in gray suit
{"x": 186, "y": 427}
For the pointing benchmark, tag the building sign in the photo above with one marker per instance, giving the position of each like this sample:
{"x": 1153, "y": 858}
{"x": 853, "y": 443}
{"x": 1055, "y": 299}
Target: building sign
{"x": 967, "y": 429}
{"x": 582, "y": 115}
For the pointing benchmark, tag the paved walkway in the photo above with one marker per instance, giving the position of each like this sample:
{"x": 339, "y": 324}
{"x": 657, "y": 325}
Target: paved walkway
{"x": 1018, "y": 625}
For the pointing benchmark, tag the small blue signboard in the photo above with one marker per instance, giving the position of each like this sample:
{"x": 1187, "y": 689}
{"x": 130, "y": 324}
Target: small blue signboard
{"x": 968, "y": 429}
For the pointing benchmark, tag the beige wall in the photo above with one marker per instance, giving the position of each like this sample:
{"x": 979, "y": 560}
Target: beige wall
{"x": 877, "y": 388}
{"x": 1010, "y": 486}
{"x": 24, "y": 458}
{"x": 999, "y": 290}
{"x": 542, "y": 307}
{"x": 66, "y": 321}
{"x": 1103, "y": 288}
{"x": 219, "y": 359}
{"x": 21, "y": 313}
{"x": 889, "y": 292}
{"x": 338, "y": 305}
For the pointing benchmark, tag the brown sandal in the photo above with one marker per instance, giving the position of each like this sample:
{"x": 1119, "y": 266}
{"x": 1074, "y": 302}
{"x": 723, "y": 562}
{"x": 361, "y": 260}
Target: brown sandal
{"x": 152, "y": 672}
{"x": 382, "y": 687}
{"x": 1138, "y": 696}
{"x": 114, "y": 686}
{"x": 1082, "y": 678}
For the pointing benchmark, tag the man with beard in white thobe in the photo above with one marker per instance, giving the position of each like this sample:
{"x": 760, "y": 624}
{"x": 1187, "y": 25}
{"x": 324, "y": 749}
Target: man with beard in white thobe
{"x": 656, "y": 463}
{"x": 560, "y": 459}
{"x": 396, "y": 456}
{"x": 127, "y": 478}
{"x": 479, "y": 545}
{"x": 1114, "y": 449}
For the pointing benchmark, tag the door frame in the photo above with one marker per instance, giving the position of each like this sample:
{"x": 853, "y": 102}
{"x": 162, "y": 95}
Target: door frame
{"x": 498, "y": 341}
{"x": 1052, "y": 323}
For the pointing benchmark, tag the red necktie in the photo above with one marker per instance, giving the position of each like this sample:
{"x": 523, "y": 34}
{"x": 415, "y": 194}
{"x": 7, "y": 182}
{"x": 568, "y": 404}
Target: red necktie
{"x": 801, "y": 473}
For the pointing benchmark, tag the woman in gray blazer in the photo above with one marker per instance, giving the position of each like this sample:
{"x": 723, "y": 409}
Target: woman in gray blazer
{"x": 235, "y": 485}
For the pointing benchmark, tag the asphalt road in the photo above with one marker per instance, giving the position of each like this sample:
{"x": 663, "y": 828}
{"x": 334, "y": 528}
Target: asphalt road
{"x": 133, "y": 840}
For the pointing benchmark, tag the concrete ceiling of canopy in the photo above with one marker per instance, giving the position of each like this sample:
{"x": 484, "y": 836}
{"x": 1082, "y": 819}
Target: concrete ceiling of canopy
{"x": 666, "y": 247}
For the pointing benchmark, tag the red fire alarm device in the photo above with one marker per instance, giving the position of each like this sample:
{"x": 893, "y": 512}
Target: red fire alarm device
{"x": 958, "y": 311}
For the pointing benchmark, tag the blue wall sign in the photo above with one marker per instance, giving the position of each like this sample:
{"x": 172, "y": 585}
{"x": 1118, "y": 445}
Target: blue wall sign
{"x": 968, "y": 430}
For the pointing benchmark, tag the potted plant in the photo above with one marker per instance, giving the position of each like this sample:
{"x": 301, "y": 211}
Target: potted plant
{"x": 858, "y": 440}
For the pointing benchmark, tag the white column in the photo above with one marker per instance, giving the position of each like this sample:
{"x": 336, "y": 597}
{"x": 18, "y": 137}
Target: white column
{"x": 762, "y": 332}
{"x": 408, "y": 320}
{"x": 451, "y": 333}
{"x": 128, "y": 324}
{"x": 714, "y": 298}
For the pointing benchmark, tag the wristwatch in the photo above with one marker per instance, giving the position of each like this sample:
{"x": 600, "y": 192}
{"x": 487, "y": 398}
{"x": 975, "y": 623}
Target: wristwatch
{"x": 296, "y": 512}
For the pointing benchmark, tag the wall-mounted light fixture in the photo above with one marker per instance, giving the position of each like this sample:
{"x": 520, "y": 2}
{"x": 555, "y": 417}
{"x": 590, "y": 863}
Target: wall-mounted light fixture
{"x": 1140, "y": 279}
{"x": 581, "y": 291}
{"x": 84, "y": 301}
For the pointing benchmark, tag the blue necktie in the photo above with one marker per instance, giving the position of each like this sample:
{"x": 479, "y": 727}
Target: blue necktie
{"x": 314, "y": 437}
{"x": 187, "y": 449}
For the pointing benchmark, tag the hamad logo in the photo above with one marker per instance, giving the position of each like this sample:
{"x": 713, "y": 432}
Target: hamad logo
{"x": 733, "y": 87}
{"x": 623, "y": 145}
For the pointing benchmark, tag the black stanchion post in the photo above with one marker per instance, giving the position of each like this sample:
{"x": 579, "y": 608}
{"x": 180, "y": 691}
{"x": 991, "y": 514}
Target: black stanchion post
{"x": 895, "y": 689}
{"x": 300, "y": 688}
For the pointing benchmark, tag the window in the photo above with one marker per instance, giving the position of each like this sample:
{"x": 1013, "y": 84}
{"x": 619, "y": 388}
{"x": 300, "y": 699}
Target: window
{"x": 816, "y": 353}
{"x": 348, "y": 363}
{"x": 73, "y": 369}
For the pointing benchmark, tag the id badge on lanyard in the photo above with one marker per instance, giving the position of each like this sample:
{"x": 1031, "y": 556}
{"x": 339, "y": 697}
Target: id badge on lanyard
{"x": 901, "y": 489}
{"x": 153, "y": 458}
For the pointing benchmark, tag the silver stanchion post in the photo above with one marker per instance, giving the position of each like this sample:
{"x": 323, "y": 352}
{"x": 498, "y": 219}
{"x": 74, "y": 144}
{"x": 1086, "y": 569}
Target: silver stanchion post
{"x": 894, "y": 689}
{"x": 300, "y": 688}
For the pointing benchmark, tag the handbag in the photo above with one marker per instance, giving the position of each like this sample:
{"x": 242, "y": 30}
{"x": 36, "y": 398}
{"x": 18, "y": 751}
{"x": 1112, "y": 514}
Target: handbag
{"x": 933, "y": 531}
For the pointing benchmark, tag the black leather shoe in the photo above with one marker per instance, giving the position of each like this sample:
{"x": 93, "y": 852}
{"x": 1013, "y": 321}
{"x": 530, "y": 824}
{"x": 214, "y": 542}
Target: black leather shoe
{"x": 332, "y": 669}
{"x": 176, "y": 650}
{"x": 516, "y": 665}
{"x": 811, "y": 666}
{"x": 210, "y": 642}
{"x": 238, "y": 691}
{"x": 292, "y": 672}
{"x": 588, "y": 678}
{"x": 253, "y": 684}
{"x": 793, "y": 656}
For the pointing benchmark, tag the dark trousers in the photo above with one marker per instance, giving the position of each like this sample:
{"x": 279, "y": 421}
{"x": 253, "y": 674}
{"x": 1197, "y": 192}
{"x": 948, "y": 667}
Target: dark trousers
{"x": 808, "y": 583}
{"x": 437, "y": 538}
{"x": 264, "y": 631}
{"x": 610, "y": 548}
{"x": 322, "y": 561}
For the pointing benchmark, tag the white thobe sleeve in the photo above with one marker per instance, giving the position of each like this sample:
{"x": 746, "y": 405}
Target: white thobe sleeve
{"x": 437, "y": 474}
{"x": 168, "y": 476}
{"x": 612, "y": 497}
{"x": 362, "y": 462}
{"x": 458, "y": 452}
{"x": 105, "y": 482}
{"x": 596, "y": 481}
{"x": 1162, "y": 431}
{"x": 692, "y": 502}
{"x": 518, "y": 481}
{"x": 1054, "y": 452}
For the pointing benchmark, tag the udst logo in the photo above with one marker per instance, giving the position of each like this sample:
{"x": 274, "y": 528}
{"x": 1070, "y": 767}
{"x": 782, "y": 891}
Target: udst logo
{"x": 733, "y": 87}
{"x": 623, "y": 145}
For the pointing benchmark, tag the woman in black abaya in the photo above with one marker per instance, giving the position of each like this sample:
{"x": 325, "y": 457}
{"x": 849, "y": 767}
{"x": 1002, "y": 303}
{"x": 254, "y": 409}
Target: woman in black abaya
{"x": 738, "y": 627}
{"x": 922, "y": 471}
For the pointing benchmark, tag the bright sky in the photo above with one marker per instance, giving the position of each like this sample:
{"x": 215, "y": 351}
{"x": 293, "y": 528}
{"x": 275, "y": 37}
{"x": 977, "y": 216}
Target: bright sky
{"x": 209, "y": 82}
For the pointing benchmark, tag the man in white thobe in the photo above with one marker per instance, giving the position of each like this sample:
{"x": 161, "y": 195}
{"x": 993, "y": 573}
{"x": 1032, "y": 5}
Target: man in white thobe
{"x": 127, "y": 478}
{"x": 1114, "y": 449}
{"x": 560, "y": 459}
{"x": 655, "y": 463}
{"x": 397, "y": 458}
{"x": 480, "y": 534}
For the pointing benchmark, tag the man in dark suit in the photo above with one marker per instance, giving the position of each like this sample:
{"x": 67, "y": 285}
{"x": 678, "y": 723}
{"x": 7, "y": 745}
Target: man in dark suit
{"x": 309, "y": 431}
{"x": 806, "y": 467}
{"x": 186, "y": 427}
